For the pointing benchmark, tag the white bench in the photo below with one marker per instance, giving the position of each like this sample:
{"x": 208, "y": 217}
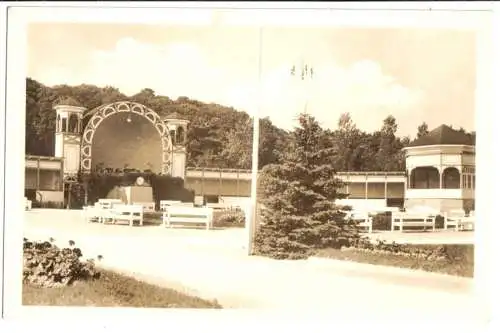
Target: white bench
{"x": 218, "y": 206}
{"x": 128, "y": 213}
{"x": 108, "y": 203}
{"x": 149, "y": 207}
{"x": 92, "y": 213}
{"x": 164, "y": 206}
{"x": 196, "y": 215}
{"x": 459, "y": 219}
{"x": 167, "y": 203}
{"x": 100, "y": 212}
{"x": 362, "y": 219}
{"x": 404, "y": 219}
{"x": 27, "y": 204}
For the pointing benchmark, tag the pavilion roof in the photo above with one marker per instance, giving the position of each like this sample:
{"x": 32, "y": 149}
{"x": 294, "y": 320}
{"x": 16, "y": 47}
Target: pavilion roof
{"x": 444, "y": 135}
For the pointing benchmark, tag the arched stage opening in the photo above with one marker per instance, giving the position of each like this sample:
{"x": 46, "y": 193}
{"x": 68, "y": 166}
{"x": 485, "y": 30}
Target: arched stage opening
{"x": 127, "y": 141}
{"x": 132, "y": 120}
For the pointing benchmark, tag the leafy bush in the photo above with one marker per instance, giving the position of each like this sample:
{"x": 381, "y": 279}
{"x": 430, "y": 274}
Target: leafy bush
{"x": 439, "y": 222}
{"x": 48, "y": 204}
{"x": 382, "y": 221}
{"x": 45, "y": 265}
{"x": 164, "y": 187}
{"x": 229, "y": 218}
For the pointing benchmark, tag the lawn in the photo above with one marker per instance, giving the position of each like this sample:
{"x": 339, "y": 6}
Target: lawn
{"x": 113, "y": 290}
{"x": 460, "y": 263}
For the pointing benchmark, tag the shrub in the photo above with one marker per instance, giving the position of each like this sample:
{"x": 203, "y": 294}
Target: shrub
{"x": 299, "y": 194}
{"x": 229, "y": 218}
{"x": 45, "y": 265}
{"x": 382, "y": 221}
{"x": 426, "y": 252}
{"x": 48, "y": 204}
{"x": 164, "y": 187}
{"x": 439, "y": 222}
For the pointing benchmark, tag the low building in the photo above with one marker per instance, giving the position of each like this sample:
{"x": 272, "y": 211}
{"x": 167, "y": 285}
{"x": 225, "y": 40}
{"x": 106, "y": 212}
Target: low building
{"x": 440, "y": 166}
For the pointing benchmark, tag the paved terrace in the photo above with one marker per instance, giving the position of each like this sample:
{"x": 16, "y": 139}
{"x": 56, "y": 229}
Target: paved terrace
{"x": 213, "y": 264}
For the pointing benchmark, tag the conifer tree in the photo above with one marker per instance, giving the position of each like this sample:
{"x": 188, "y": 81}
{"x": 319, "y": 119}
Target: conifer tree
{"x": 299, "y": 214}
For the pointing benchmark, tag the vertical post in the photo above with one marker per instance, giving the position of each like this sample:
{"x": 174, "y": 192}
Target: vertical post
{"x": 347, "y": 183}
{"x": 69, "y": 195}
{"x": 252, "y": 215}
{"x": 220, "y": 185}
{"x": 62, "y": 174}
{"x": 406, "y": 187}
{"x": 366, "y": 192}
{"x": 461, "y": 173}
{"x": 86, "y": 198}
{"x": 238, "y": 183}
{"x": 408, "y": 179}
{"x": 440, "y": 172}
{"x": 385, "y": 189}
{"x": 366, "y": 186}
{"x": 203, "y": 184}
{"x": 37, "y": 175}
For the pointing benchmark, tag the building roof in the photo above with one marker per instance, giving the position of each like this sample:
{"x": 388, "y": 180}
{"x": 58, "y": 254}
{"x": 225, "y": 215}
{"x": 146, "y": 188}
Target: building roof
{"x": 68, "y": 100}
{"x": 174, "y": 115}
{"x": 444, "y": 135}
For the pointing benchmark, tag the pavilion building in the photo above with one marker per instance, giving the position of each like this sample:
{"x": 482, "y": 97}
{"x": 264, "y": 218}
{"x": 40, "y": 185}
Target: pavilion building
{"x": 441, "y": 170}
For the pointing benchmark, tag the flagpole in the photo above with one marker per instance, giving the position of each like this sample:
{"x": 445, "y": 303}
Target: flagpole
{"x": 305, "y": 74}
{"x": 252, "y": 213}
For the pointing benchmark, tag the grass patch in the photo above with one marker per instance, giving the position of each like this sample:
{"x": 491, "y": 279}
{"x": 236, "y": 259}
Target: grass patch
{"x": 460, "y": 259}
{"x": 113, "y": 290}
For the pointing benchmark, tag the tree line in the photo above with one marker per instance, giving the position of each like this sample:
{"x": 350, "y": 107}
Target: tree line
{"x": 218, "y": 136}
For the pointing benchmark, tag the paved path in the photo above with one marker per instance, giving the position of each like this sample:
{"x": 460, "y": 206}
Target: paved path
{"x": 213, "y": 265}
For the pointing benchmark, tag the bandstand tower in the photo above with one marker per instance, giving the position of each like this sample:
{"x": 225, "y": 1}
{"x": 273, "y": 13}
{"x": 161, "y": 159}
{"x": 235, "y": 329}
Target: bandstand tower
{"x": 177, "y": 127}
{"x": 69, "y": 122}
{"x": 440, "y": 168}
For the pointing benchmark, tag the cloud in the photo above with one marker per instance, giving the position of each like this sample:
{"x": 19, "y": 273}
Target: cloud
{"x": 361, "y": 89}
{"x": 184, "y": 69}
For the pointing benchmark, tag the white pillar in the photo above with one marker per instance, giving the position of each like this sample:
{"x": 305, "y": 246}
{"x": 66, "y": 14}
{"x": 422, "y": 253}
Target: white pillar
{"x": 366, "y": 187}
{"x": 347, "y": 183}
{"x": 440, "y": 172}
{"x": 252, "y": 207}
{"x": 385, "y": 189}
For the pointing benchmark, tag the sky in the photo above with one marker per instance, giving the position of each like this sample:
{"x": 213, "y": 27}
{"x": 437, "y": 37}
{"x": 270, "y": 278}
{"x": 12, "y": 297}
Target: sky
{"x": 415, "y": 74}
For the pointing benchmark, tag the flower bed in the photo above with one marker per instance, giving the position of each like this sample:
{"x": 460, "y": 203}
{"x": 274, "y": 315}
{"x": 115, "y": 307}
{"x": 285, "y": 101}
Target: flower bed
{"x": 54, "y": 276}
{"x": 229, "y": 218}
{"x": 448, "y": 259}
{"x": 45, "y": 265}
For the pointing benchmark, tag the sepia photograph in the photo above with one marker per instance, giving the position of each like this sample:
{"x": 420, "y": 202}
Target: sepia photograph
{"x": 374, "y": 161}
{"x": 239, "y": 164}
{"x": 130, "y": 130}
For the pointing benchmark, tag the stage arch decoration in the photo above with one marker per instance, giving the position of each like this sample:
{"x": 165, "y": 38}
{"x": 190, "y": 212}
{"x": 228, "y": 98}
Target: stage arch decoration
{"x": 102, "y": 112}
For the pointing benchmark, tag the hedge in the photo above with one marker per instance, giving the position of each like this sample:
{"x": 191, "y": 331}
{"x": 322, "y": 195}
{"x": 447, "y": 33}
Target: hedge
{"x": 99, "y": 185}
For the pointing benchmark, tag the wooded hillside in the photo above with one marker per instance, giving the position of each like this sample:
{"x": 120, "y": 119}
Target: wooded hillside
{"x": 219, "y": 136}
